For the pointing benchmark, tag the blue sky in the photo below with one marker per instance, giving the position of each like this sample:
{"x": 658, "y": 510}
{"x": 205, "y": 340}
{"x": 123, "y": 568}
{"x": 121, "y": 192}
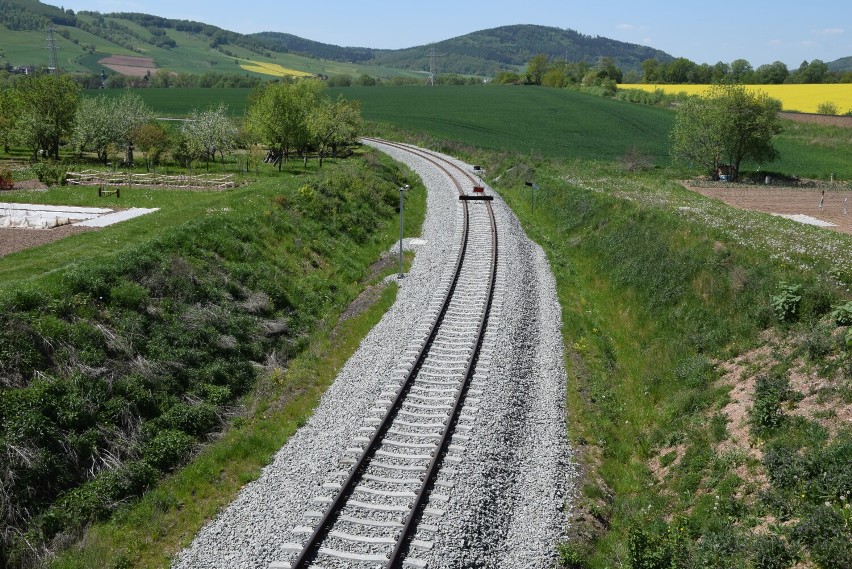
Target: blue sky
{"x": 705, "y": 32}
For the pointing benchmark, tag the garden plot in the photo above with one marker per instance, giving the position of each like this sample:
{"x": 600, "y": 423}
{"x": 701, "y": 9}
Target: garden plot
{"x": 831, "y": 210}
{"x": 37, "y": 216}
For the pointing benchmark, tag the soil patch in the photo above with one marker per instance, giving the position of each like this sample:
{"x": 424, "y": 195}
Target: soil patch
{"x": 14, "y": 240}
{"x": 830, "y": 120}
{"x": 129, "y": 65}
{"x": 785, "y": 201}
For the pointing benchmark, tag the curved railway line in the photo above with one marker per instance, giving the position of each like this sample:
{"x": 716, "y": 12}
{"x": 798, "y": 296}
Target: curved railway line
{"x": 394, "y": 477}
{"x": 441, "y": 442}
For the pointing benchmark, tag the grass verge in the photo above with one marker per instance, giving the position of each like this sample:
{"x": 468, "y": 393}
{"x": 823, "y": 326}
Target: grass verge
{"x": 661, "y": 301}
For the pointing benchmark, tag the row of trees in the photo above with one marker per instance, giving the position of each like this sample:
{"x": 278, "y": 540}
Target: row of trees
{"x": 739, "y": 71}
{"x": 45, "y": 112}
{"x": 296, "y": 118}
{"x": 542, "y": 70}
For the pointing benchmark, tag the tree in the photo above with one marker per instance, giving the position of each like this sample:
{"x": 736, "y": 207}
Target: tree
{"x": 730, "y": 124}
{"x": 555, "y": 76}
{"x": 678, "y": 71}
{"x": 650, "y": 71}
{"x": 719, "y": 72}
{"x": 536, "y": 69}
{"x": 507, "y": 78}
{"x": 741, "y": 71}
{"x": 103, "y": 121}
{"x": 9, "y": 109}
{"x": 333, "y": 124}
{"x": 48, "y": 105}
{"x": 772, "y": 74}
{"x": 813, "y": 72}
{"x": 152, "y": 140}
{"x": 209, "y": 132}
{"x": 277, "y": 116}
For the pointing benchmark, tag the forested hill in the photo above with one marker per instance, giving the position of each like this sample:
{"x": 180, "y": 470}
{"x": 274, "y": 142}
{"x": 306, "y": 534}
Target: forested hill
{"x": 485, "y": 52}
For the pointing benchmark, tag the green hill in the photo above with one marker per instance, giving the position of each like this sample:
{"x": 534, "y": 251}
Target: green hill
{"x": 85, "y": 38}
{"x": 841, "y": 65}
{"x": 177, "y": 46}
{"x": 486, "y": 52}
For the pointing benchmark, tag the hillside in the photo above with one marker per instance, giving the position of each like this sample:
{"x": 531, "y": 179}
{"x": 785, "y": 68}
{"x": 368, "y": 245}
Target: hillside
{"x": 841, "y": 65}
{"x": 485, "y": 52}
{"x": 85, "y": 39}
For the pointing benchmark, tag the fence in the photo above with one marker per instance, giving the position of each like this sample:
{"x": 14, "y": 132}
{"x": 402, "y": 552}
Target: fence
{"x": 106, "y": 178}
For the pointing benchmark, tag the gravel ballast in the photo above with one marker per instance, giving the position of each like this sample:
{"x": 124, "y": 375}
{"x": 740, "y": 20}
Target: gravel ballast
{"x": 506, "y": 507}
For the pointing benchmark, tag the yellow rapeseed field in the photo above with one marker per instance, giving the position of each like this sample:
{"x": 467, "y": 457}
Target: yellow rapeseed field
{"x": 802, "y": 98}
{"x": 271, "y": 69}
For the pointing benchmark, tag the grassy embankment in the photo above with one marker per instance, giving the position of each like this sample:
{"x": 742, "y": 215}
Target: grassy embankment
{"x": 123, "y": 347}
{"x": 691, "y": 459}
{"x": 710, "y": 372}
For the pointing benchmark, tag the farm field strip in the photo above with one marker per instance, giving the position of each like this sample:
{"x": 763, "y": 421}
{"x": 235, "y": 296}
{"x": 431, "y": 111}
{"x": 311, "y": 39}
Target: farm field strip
{"x": 802, "y": 98}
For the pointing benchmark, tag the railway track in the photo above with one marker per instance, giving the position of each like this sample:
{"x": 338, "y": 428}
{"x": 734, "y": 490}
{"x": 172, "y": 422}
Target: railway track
{"x": 397, "y": 473}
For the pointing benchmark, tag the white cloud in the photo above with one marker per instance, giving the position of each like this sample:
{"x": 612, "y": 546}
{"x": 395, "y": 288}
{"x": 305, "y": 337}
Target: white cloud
{"x": 625, "y": 27}
{"x": 831, "y": 31}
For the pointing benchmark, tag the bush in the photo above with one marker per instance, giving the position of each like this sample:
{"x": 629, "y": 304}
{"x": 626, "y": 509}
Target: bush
{"x": 648, "y": 550}
{"x": 842, "y": 315}
{"x": 771, "y": 552}
{"x": 770, "y": 391}
{"x": 786, "y": 303}
{"x": 823, "y": 531}
{"x": 827, "y": 108}
{"x": 816, "y": 301}
{"x": 784, "y": 466}
{"x": 573, "y": 555}
{"x": 52, "y": 174}
{"x": 6, "y": 181}
{"x": 128, "y": 294}
{"x": 818, "y": 342}
{"x": 167, "y": 449}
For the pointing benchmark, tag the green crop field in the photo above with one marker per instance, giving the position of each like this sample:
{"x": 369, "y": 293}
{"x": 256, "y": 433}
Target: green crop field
{"x": 179, "y": 102}
{"x": 551, "y": 122}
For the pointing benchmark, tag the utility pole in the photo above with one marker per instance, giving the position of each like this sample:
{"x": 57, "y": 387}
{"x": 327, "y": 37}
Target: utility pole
{"x": 51, "y": 50}
{"x": 433, "y": 66}
{"x": 402, "y": 191}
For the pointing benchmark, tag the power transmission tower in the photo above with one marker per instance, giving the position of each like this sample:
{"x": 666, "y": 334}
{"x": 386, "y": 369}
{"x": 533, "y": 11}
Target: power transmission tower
{"x": 51, "y": 50}
{"x": 433, "y": 66}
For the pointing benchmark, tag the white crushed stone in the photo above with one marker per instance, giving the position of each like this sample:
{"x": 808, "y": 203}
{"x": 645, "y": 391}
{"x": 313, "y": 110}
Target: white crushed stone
{"x": 116, "y": 217}
{"x": 806, "y": 219}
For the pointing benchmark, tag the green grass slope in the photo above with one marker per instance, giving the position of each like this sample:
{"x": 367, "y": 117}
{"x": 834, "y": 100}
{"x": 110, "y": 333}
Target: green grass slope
{"x": 139, "y": 340}
{"x": 192, "y": 54}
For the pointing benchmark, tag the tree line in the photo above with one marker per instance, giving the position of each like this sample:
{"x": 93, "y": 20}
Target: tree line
{"x": 46, "y": 113}
{"x": 557, "y": 72}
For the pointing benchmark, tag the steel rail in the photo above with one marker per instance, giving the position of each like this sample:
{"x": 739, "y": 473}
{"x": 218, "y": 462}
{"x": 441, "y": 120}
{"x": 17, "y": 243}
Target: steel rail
{"x": 311, "y": 547}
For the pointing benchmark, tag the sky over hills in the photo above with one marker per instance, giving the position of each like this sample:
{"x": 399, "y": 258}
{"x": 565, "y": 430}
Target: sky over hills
{"x": 705, "y": 32}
